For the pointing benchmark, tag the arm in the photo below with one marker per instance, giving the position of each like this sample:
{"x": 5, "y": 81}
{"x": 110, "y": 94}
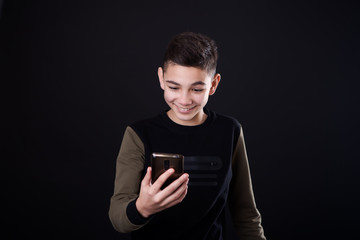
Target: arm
{"x": 134, "y": 200}
{"x": 129, "y": 168}
{"x": 246, "y": 217}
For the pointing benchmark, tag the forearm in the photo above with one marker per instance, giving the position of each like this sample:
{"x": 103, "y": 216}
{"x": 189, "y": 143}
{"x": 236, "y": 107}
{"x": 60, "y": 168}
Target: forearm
{"x": 118, "y": 216}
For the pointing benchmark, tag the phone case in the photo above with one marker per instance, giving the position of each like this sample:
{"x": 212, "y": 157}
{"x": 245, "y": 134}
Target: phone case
{"x": 160, "y": 162}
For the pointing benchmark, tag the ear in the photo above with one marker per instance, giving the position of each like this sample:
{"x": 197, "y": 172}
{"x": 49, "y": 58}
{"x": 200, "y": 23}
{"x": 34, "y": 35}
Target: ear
{"x": 161, "y": 77}
{"x": 214, "y": 83}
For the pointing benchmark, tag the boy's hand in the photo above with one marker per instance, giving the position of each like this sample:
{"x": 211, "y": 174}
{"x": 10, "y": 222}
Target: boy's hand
{"x": 152, "y": 199}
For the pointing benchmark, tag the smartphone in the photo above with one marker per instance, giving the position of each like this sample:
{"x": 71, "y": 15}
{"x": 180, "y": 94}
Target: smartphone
{"x": 160, "y": 162}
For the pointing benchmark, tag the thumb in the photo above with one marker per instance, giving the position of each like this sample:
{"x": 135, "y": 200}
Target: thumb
{"x": 147, "y": 177}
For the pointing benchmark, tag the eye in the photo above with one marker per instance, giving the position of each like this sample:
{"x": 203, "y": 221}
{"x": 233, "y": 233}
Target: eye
{"x": 198, "y": 90}
{"x": 173, "y": 88}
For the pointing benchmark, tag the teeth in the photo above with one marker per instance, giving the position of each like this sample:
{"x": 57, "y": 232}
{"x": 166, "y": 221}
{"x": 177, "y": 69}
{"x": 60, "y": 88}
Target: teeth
{"x": 181, "y": 109}
{"x": 184, "y": 109}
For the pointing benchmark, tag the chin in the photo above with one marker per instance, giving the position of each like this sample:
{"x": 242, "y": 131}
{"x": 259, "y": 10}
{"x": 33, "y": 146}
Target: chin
{"x": 186, "y": 118}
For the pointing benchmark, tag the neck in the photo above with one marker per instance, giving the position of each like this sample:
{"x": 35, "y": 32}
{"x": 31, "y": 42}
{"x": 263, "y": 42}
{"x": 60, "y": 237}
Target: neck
{"x": 198, "y": 119}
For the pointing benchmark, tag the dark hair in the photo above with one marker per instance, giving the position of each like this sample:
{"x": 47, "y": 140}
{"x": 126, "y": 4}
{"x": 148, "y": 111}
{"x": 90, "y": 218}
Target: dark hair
{"x": 192, "y": 50}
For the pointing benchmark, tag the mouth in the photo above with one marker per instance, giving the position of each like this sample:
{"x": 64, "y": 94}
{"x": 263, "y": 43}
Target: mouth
{"x": 184, "y": 110}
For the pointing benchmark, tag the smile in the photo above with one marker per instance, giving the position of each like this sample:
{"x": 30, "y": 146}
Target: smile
{"x": 181, "y": 109}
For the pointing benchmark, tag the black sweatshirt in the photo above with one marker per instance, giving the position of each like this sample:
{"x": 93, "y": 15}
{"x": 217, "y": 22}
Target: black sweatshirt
{"x": 220, "y": 196}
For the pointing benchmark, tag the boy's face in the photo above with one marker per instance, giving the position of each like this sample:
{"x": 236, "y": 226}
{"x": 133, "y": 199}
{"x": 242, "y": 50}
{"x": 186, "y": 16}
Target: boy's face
{"x": 186, "y": 91}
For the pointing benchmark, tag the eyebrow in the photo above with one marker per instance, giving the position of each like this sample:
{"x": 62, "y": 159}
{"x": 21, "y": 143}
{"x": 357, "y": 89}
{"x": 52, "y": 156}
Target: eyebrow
{"x": 194, "y": 84}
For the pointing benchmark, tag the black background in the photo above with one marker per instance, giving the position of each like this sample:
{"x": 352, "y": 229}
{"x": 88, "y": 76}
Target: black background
{"x": 75, "y": 73}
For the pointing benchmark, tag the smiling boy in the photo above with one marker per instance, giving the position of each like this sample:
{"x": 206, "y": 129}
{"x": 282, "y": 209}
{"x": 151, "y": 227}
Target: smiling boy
{"x": 186, "y": 91}
{"x": 214, "y": 198}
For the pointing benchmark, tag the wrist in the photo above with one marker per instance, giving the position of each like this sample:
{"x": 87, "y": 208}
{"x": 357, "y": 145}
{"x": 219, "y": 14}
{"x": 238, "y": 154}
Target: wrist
{"x": 139, "y": 207}
{"x": 134, "y": 215}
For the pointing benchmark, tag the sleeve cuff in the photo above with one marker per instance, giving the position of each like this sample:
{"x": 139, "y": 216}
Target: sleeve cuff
{"x": 134, "y": 215}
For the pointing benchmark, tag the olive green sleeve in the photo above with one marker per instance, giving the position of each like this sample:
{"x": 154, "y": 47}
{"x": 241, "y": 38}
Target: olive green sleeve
{"x": 129, "y": 169}
{"x": 245, "y": 215}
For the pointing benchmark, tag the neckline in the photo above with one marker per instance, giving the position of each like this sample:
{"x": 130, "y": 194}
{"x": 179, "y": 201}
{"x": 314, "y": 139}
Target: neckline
{"x": 174, "y": 125}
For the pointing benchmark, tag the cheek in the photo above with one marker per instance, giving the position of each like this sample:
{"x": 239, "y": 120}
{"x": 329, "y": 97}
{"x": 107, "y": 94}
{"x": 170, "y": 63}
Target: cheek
{"x": 202, "y": 98}
{"x": 169, "y": 97}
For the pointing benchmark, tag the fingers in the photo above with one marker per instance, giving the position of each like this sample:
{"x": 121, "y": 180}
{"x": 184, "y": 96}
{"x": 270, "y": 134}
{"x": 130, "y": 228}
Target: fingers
{"x": 162, "y": 179}
{"x": 152, "y": 199}
{"x": 176, "y": 196}
{"x": 181, "y": 181}
{"x": 147, "y": 178}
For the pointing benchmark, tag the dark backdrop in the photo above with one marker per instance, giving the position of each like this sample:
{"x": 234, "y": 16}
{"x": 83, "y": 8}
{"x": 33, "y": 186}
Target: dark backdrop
{"x": 75, "y": 73}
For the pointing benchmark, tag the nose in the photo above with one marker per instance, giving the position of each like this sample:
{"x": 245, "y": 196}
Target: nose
{"x": 185, "y": 98}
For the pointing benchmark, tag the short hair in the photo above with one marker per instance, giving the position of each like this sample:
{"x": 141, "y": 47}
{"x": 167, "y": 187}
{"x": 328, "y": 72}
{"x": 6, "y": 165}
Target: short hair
{"x": 191, "y": 49}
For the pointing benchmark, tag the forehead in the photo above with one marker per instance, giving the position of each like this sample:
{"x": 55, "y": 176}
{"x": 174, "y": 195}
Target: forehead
{"x": 185, "y": 75}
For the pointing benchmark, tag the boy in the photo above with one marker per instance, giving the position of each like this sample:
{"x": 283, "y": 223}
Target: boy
{"x": 215, "y": 195}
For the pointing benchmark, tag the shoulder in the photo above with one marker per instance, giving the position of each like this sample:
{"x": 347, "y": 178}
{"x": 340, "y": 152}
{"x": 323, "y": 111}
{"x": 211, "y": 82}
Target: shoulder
{"x": 139, "y": 124}
{"x": 225, "y": 119}
{"x": 149, "y": 125}
{"x": 227, "y": 123}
